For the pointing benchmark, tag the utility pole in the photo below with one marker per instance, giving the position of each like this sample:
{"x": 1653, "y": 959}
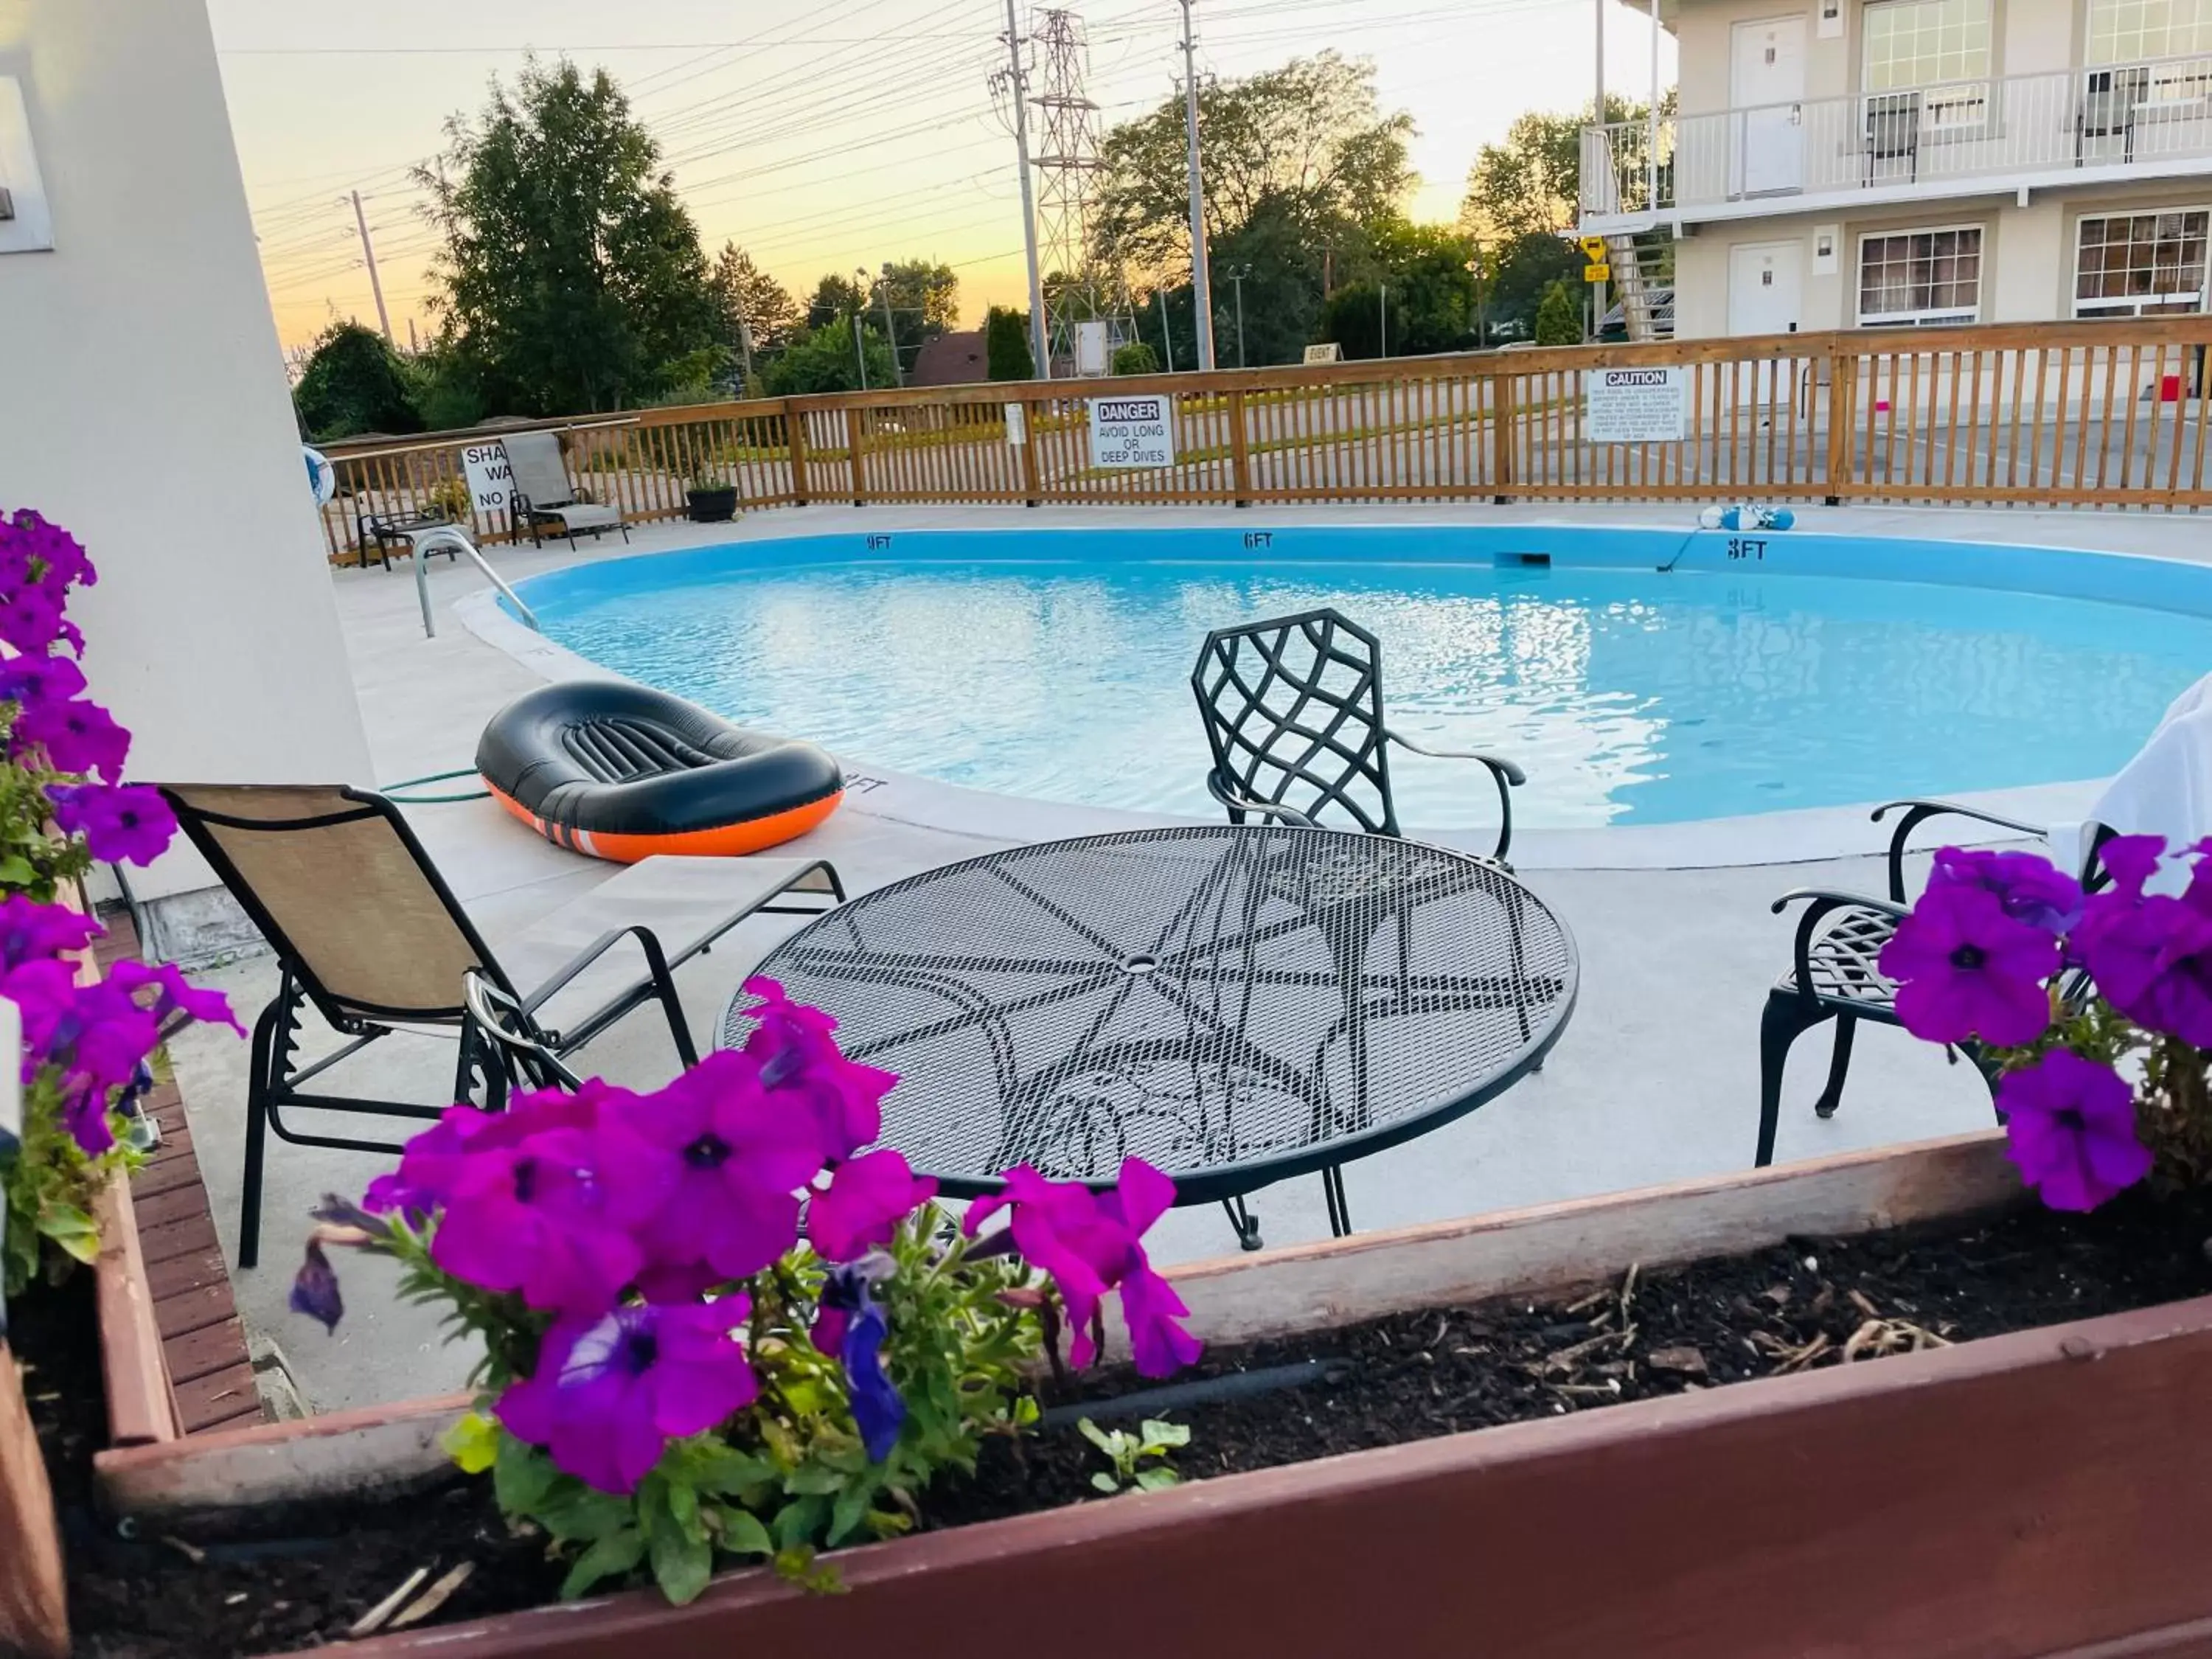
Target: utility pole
{"x": 1166, "y": 339}
{"x": 1237, "y": 275}
{"x": 890, "y": 330}
{"x": 1481, "y": 304}
{"x": 1200, "y": 283}
{"x": 1018, "y": 81}
{"x": 1597, "y": 120}
{"x": 745, "y": 351}
{"x": 1382, "y": 316}
{"x": 368, "y": 253}
{"x": 860, "y": 357}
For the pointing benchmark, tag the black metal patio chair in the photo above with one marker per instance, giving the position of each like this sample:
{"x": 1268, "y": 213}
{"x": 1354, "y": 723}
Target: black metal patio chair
{"x": 368, "y": 934}
{"x": 1293, "y": 714}
{"x": 1834, "y": 969}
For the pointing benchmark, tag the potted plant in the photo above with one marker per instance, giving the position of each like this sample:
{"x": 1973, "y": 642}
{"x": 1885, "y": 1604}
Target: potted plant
{"x": 712, "y": 496}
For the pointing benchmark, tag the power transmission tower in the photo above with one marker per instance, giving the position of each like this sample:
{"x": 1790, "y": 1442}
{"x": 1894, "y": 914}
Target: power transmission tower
{"x": 1076, "y": 289}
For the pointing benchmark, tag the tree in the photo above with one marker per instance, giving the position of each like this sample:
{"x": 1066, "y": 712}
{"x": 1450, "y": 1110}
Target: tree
{"x": 1277, "y": 249}
{"x": 1006, "y": 344}
{"x": 1523, "y": 271}
{"x": 1353, "y": 318}
{"x": 1134, "y": 358}
{"x": 570, "y": 272}
{"x": 752, "y": 301}
{"x": 1559, "y": 320}
{"x": 835, "y": 297}
{"x": 925, "y": 297}
{"x": 1532, "y": 183}
{"x": 1310, "y": 135}
{"x": 1432, "y": 290}
{"x": 822, "y": 360}
{"x": 354, "y": 382}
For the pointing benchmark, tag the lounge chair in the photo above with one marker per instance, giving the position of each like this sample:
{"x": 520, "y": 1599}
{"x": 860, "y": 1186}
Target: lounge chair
{"x": 423, "y": 536}
{"x": 367, "y": 931}
{"x": 543, "y": 493}
{"x": 1293, "y": 713}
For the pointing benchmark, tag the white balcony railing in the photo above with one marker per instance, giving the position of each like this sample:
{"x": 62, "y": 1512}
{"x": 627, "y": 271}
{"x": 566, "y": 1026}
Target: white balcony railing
{"x": 2111, "y": 119}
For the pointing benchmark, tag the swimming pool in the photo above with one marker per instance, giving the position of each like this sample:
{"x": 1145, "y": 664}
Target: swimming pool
{"x": 1756, "y": 674}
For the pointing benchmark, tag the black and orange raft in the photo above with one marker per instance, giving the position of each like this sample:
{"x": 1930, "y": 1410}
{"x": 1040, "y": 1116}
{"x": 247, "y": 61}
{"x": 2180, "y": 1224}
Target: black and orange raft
{"x": 622, "y": 772}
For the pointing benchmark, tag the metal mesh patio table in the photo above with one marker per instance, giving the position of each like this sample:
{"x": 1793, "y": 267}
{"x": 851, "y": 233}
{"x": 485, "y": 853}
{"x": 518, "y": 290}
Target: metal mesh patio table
{"x": 1236, "y": 1004}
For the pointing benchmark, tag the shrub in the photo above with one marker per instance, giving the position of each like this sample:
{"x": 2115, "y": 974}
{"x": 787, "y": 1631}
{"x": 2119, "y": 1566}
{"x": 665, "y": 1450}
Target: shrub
{"x": 677, "y": 1366}
{"x": 1007, "y": 350}
{"x": 1134, "y": 358}
{"x": 62, "y": 804}
{"x": 822, "y": 360}
{"x": 354, "y": 382}
{"x": 1558, "y": 318}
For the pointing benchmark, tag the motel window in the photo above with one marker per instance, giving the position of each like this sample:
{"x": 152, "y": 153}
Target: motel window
{"x": 1921, "y": 277}
{"x": 2139, "y": 265}
{"x": 1924, "y": 43}
{"x": 2142, "y": 31}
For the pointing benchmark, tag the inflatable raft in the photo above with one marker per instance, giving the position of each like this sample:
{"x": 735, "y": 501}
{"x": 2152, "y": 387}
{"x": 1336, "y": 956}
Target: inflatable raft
{"x": 622, "y": 772}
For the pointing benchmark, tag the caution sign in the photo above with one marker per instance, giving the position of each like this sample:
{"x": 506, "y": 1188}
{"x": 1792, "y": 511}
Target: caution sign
{"x": 1597, "y": 273}
{"x": 1126, "y": 432}
{"x": 1593, "y": 249}
{"x": 1635, "y": 405}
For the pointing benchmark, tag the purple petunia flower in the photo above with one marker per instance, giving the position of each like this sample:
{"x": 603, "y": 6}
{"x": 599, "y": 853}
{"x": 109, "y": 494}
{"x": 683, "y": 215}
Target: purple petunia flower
{"x": 121, "y": 824}
{"x": 2028, "y": 887}
{"x": 2071, "y": 1125}
{"x": 31, "y": 931}
{"x": 2131, "y": 861}
{"x": 95, "y": 1036}
{"x": 866, "y": 1199}
{"x": 553, "y": 1218}
{"x": 1964, "y": 969}
{"x": 176, "y": 995}
{"x": 78, "y": 736}
{"x": 850, "y": 1325}
{"x": 1089, "y": 1242}
{"x": 730, "y": 1163}
{"x": 315, "y": 1288}
{"x": 799, "y": 1059}
{"x": 435, "y": 1160}
{"x": 611, "y": 1389}
{"x": 26, "y": 680}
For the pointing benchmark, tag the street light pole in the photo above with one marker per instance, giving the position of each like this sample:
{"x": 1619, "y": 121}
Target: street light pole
{"x": 1383, "y": 317}
{"x": 860, "y": 357}
{"x": 1200, "y": 282}
{"x": 1166, "y": 339}
{"x": 890, "y": 330}
{"x": 1237, "y": 275}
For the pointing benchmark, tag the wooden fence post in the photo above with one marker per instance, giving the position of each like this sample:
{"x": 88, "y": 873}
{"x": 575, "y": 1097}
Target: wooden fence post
{"x": 1240, "y": 451}
{"x": 1032, "y": 480}
{"x": 794, "y": 435}
{"x": 853, "y": 449}
{"x": 1501, "y": 438}
{"x": 1843, "y": 415}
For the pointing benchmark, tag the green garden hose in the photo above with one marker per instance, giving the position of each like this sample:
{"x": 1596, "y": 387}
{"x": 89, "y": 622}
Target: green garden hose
{"x": 393, "y": 794}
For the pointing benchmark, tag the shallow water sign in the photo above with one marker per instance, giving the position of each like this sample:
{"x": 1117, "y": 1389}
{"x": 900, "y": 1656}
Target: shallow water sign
{"x": 1635, "y": 405}
{"x": 1131, "y": 432}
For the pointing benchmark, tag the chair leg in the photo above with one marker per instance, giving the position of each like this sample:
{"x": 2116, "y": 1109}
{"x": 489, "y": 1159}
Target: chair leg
{"x": 259, "y": 1081}
{"x": 1246, "y": 1224}
{"x": 1340, "y": 1207}
{"x": 1788, "y": 1017}
{"x": 1839, "y": 1063}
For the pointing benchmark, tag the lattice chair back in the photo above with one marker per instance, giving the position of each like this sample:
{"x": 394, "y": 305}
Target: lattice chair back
{"x": 1293, "y": 713}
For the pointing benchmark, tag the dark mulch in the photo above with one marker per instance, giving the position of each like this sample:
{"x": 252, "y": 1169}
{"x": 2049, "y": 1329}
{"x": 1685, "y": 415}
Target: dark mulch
{"x": 1807, "y": 1304}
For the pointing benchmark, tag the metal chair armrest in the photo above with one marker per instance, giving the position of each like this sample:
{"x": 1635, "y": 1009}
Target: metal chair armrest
{"x": 1237, "y": 803}
{"x": 1819, "y": 902}
{"x": 1918, "y": 812}
{"x": 661, "y": 985}
{"x": 1503, "y": 773}
{"x": 502, "y": 1019}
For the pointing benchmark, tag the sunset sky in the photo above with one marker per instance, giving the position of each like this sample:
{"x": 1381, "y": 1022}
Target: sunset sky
{"x": 820, "y": 138}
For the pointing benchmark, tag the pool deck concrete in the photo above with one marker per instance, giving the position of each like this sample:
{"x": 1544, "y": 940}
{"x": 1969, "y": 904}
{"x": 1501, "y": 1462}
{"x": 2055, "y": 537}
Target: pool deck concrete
{"x": 1655, "y": 1080}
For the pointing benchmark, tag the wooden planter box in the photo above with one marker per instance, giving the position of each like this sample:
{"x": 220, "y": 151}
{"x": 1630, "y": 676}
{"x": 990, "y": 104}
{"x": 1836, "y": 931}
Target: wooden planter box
{"x": 2042, "y": 1493}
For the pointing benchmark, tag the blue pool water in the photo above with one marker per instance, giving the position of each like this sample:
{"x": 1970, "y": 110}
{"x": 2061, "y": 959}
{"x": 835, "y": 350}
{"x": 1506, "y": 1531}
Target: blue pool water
{"x": 1056, "y": 664}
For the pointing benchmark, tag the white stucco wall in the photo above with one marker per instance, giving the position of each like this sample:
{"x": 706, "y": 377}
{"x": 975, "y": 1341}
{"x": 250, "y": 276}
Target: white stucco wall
{"x": 142, "y": 403}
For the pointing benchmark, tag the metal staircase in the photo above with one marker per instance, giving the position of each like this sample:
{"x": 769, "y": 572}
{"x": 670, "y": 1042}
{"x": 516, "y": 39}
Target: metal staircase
{"x": 1637, "y": 269}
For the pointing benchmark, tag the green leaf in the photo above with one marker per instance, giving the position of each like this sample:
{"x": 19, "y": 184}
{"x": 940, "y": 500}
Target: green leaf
{"x": 851, "y": 1509}
{"x": 473, "y": 1442}
{"x": 523, "y": 1477}
{"x": 68, "y": 1226}
{"x": 682, "y": 1564}
{"x": 683, "y": 1510}
{"x": 1108, "y": 1444}
{"x": 724, "y": 1469}
{"x": 17, "y": 871}
{"x": 614, "y": 1554}
{"x": 581, "y": 1514}
{"x": 1162, "y": 1437}
{"x": 1105, "y": 1483}
{"x": 816, "y": 1477}
{"x": 743, "y": 1534}
{"x": 796, "y": 1524}
{"x": 1154, "y": 1480}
